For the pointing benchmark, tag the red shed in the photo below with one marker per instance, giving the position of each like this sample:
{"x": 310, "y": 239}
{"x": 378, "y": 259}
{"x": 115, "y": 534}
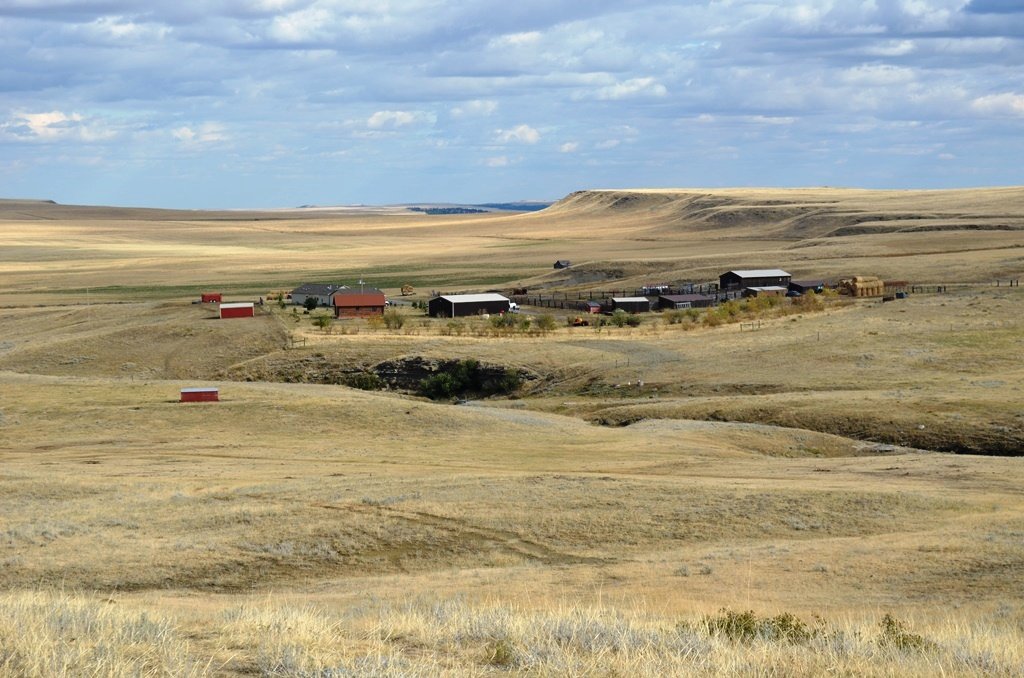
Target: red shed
{"x": 237, "y": 310}
{"x": 211, "y": 297}
{"x": 204, "y": 394}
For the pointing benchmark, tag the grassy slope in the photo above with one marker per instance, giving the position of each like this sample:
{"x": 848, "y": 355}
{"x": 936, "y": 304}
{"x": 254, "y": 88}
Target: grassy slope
{"x": 254, "y": 533}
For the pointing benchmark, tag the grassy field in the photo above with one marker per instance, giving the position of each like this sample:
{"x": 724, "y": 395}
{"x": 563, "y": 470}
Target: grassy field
{"x": 667, "y": 499}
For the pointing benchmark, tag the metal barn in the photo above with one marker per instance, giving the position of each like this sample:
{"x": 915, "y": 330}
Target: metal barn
{"x": 461, "y": 305}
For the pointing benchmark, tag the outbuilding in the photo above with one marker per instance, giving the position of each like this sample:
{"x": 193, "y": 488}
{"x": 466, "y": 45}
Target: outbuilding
{"x": 362, "y": 303}
{"x": 203, "y": 394}
{"x": 211, "y": 297}
{"x": 239, "y": 309}
{"x": 805, "y": 286}
{"x": 460, "y": 305}
{"x": 767, "y": 277}
{"x": 589, "y": 306}
{"x": 685, "y": 301}
{"x": 765, "y": 291}
{"x": 630, "y": 304}
{"x": 322, "y": 293}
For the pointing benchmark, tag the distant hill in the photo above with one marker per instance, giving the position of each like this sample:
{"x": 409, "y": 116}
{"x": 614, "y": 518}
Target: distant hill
{"x": 801, "y": 213}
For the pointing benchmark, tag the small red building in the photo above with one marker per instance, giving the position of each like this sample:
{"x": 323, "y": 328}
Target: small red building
{"x": 358, "y": 303}
{"x": 204, "y": 394}
{"x": 211, "y": 297}
{"x": 238, "y": 310}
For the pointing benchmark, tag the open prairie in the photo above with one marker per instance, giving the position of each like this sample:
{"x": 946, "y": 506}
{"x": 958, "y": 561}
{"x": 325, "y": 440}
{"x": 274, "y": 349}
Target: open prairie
{"x": 799, "y": 490}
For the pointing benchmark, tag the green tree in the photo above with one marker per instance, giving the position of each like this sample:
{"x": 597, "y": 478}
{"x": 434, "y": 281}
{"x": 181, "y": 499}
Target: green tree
{"x": 323, "y": 321}
{"x": 311, "y": 303}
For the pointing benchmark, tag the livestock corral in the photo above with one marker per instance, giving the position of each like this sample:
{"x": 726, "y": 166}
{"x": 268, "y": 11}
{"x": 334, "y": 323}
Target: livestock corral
{"x": 382, "y": 492}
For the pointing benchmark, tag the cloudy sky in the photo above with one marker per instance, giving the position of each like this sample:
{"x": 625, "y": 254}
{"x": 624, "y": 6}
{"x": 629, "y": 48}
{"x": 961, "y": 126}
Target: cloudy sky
{"x": 275, "y": 103}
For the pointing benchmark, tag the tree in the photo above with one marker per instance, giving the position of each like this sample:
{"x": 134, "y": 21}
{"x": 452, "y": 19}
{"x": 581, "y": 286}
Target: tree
{"x": 310, "y": 303}
{"x": 323, "y": 321}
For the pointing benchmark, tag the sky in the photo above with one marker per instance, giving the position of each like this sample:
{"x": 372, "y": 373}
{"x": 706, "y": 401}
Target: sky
{"x": 280, "y": 103}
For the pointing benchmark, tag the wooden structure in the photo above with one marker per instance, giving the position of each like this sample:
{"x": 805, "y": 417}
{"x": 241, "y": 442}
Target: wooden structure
{"x": 244, "y": 309}
{"x": 211, "y": 297}
{"x": 685, "y": 301}
{"x": 589, "y": 306}
{"x": 805, "y": 286}
{"x": 361, "y": 303}
{"x": 630, "y": 304}
{"x": 765, "y": 291}
{"x": 460, "y": 305}
{"x": 765, "y": 277}
{"x": 204, "y": 394}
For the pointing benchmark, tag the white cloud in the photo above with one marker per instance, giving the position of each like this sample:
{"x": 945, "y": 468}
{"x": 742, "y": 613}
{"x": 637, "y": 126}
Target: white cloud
{"x": 635, "y": 87}
{"x": 382, "y": 119}
{"x": 204, "y": 134}
{"x": 569, "y": 147}
{"x": 516, "y": 39}
{"x": 1005, "y": 104}
{"x": 607, "y": 144}
{"x": 476, "y": 107}
{"x": 497, "y": 161}
{"x": 520, "y": 133}
{"x": 55, "y": 126}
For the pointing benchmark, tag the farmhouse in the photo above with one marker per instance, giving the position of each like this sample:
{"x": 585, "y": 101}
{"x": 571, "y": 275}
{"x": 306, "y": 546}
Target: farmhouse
{"x": 768, "y": 277}
{"x": 456, "y": 305}
{"x": 237, "y": 310}
{"x": 361, "y": 303}
{"x": 630, "y": 304}
{"x": 322, "y": 293}
{"x": 685, "y": 301}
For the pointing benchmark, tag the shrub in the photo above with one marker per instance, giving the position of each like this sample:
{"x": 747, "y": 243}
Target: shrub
{"x": 323, "y": 321}
{"x": 546, "y": 322}
{"x": 894, "y": 635}
{"x": 467, "y": 376}
{"x": 619, "y": 318}
{"x": 311, "y": 303}
{"x": 746, "y": 626}
{"x": 633, "y": 320}
{"x": 393, "y": 320}
{"x": 367, "y": 381}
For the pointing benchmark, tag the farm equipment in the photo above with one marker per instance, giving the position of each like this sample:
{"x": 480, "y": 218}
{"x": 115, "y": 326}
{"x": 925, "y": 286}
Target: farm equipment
{"x": 407, "y": 290}
{"x": 580, "y": 321}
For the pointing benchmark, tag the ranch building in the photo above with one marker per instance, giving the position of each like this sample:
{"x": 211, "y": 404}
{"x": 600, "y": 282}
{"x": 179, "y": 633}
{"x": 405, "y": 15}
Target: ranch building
{"x": 203, "y": 394}
{"x": 322, "y": 293}
{"x": 738, "y": 280}
{"x": 765, "y": 291}
{"x": 630, "y": 304}
{"x": 589, "y": 306}
{"x": 805, "y": 286}
{"x": 240, "y": 309}
{"x": 460, "y": 305}
{"x": 361, "y": 303}
{"x": 685, "y": 301}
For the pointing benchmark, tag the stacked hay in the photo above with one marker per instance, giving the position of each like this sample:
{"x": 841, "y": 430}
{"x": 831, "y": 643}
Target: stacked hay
{"x": 867, "y": 286}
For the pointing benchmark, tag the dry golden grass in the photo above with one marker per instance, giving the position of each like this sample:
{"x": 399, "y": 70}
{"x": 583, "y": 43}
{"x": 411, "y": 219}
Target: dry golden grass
{"x": 311, "y": 529}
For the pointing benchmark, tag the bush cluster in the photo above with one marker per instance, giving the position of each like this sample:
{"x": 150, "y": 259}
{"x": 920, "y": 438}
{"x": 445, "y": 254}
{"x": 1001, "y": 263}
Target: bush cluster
{"x": 467, "y": 377}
